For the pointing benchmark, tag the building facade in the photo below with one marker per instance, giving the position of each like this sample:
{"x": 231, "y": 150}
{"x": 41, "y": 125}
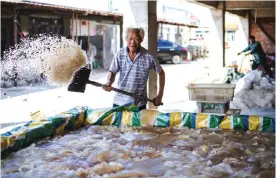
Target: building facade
{"x": 102, "y": 29}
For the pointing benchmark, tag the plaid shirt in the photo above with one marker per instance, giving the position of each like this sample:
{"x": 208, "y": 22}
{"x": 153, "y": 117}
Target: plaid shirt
{"x": 133, "y": 74}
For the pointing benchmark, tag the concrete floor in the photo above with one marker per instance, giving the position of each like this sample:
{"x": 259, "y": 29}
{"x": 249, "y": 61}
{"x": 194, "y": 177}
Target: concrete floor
{"x": 51, "y": 101}
{"x": 27, "y": 100}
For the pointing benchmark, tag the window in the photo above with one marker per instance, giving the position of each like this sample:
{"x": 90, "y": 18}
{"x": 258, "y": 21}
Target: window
{"x": 230, "y": 35}
{"x": 167, "y": 43}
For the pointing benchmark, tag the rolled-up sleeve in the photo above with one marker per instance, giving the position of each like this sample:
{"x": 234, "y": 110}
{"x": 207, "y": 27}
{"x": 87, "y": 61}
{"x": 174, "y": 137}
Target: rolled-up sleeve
{"x": 115, "y": 66}
{"x": 156, "y": 65}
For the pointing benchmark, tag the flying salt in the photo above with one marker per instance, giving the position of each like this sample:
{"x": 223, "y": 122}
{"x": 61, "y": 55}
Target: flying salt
{"x": 43, "y": 56}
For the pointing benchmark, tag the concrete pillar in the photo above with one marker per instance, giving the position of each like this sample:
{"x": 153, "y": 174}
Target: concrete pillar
{"x": 242, "y": 34}
{"x": 245, "y": 25}
{"x": 249, "y": 22}
{"x": 152, "y": 47}
{"x": 135, "y": 14}
{"x": 216, "y": 46}
{"x": 139, "y": 13}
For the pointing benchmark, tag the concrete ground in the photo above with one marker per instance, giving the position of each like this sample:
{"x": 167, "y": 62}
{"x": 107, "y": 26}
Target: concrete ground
{"x": 25, "y": 101}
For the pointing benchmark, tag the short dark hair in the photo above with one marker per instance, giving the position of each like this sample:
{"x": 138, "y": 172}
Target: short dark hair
{"x": 252, "y": 37}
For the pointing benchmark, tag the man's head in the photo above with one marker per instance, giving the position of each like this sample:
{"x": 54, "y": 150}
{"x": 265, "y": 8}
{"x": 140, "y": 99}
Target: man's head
{"x": 134, "y": 38}
{"x": 251, "y": 39}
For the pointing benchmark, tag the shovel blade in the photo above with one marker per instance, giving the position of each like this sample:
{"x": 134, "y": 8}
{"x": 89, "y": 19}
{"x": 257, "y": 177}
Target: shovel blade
{"x": 79, "y": 80}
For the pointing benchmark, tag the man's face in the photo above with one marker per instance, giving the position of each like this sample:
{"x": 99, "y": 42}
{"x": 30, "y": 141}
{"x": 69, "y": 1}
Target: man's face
{"x": 133, "y": 41}
{"x": 251, "y": 40}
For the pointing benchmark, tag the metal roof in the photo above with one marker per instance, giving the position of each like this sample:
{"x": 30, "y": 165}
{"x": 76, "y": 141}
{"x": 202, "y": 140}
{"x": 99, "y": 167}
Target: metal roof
{"x": 60, "y": 7}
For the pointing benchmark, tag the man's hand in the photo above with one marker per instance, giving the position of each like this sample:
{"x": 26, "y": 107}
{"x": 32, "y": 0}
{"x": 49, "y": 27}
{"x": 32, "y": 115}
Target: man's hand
{"x": 157, "y": 100}
{"x": 107, "y": 87}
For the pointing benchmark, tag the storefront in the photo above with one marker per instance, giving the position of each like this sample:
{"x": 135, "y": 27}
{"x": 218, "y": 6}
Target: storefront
{"x": 99, "y": 33}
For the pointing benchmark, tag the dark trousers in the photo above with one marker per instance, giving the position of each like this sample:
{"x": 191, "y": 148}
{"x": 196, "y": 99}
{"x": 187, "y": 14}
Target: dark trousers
{"x": 266, "y": 68}
{"x": 255, "y": 65}
{"x": 140, "y": 108}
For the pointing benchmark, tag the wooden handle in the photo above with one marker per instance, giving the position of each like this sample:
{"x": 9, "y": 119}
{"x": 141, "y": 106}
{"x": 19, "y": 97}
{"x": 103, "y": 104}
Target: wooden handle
{"x": 123, "y": 92}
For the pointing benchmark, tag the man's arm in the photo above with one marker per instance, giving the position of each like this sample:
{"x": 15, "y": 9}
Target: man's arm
{"x": 114, "y": 68}
{"x": 245, "y": 50}
{"x": 110, "y": 80}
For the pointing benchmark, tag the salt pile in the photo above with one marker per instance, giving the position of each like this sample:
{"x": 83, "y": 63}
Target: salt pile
{"x": 34, "y": 59}
{"x": 253, "y": 92}
{"x": 106, "y": 151}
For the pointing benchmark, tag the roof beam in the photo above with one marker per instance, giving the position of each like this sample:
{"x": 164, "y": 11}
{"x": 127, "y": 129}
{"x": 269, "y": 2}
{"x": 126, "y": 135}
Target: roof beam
{"x": 260, "y": 13}
{"x": 212, "y": 4}
{"x": 37, "y": 5}
{"x": 266, "y": 20}
{"x": 242, "y": 13}
{"x": 245, "y": 5}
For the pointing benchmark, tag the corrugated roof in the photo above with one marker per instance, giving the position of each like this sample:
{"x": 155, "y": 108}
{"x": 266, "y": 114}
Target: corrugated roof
{"x": 60, "y": 7}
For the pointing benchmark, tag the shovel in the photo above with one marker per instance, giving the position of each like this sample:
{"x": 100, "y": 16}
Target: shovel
{"x": 81, "y": 78}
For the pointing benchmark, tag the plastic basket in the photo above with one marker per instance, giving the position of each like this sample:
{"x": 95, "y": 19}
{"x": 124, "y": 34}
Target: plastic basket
{"x": 211, "y": 92}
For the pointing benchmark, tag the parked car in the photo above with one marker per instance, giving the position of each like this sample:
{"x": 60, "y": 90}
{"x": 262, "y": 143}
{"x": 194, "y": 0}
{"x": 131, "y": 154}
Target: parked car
{"x": 169, "y": 51}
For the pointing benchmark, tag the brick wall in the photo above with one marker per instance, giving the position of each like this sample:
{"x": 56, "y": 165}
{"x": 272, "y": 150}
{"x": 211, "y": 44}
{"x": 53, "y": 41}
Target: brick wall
{"x": 269, "y": 27}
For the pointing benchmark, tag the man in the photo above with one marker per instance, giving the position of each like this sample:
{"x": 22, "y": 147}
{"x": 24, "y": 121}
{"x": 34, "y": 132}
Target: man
{"x": 91, "y": 53}
{"x": 133, "y": 63}
{"x": 256, "y": 49}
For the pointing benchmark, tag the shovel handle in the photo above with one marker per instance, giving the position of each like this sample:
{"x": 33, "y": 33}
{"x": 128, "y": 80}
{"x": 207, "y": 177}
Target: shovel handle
{"x": 122, "y": 91}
